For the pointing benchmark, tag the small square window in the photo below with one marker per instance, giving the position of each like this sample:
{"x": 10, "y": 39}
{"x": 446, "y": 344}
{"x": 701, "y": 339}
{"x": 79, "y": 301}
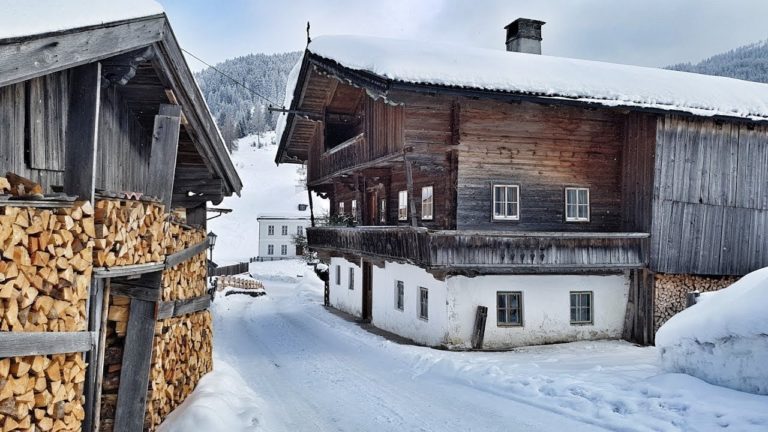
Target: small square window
{"x": 509, "y": 308}
{"x": 270, "y": 249}
{"x": 581, "y": 307}
{"x": 351, "y": 278}
{"x": 423, "y": 303}
{"x": 341, "y": 209}
{"x": 271, "y": 230}
{"x": 338, "y": 275}
{"x": 506, "y": 202}
{"x": 402, "y": 205}
{"x": 399, "y": 295}
{"x": 427, "y": 203}
{"x": 576, "y": 205}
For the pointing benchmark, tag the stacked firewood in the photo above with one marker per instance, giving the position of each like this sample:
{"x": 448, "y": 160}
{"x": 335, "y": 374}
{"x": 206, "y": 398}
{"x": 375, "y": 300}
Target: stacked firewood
{"x": 671, "y": 292}
{"x": 117, "y": 322}
{"x": 237, "y": 282}
{"x": 187, "y": 279}
{"x": 45, "y": 270}
{"x": 182, "y": 354}
{"x": 128, "y": 232}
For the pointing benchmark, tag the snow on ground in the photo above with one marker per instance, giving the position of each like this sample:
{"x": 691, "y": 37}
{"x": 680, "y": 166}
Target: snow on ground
{"x": 267, "y": 188}
{"x": 305, "y": 369}
{"x": 723, "y": 339}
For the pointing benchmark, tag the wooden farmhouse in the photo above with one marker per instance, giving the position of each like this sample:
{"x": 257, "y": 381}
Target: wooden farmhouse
{"x": 552, "y": 199}
{"x": 111, "y": 156}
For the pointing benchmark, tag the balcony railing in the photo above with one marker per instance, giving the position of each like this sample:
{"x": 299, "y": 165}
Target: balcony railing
{"x": 487, "y": 251}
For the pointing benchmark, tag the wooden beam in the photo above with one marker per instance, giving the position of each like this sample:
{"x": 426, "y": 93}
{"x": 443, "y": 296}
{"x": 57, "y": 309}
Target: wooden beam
{"x": 409, "y": 184}
{"x": 96, "y": 320}
{"x": 123, "y": 289}
{"x": 28, "y": 57}
{"x": 311, "y": 208}
{"x": 98, "y": 366}
{"x": 129, "y": 270}
{"x": 170, "y": 309}
{"x": 162, "y": 161}
{"x": 16, "y": 344}
{"x": 180, "y": 257}
{"x": 82, "y": 131}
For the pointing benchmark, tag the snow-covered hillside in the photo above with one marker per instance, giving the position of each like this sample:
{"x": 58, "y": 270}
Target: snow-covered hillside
{"x": 267, "y": 189}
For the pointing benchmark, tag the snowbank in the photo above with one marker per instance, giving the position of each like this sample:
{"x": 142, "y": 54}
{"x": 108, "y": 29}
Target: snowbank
{"x": 222, "y": 402}
{"x": 724, "y": 338}
{"x": 31, "y": 17}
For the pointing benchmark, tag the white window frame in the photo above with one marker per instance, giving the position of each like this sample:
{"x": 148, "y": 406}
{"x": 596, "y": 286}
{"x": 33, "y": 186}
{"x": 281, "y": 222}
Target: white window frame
{"x": 428, "y": 204}
{"x": 354, "y": 210}
{"x": 383, "y": 211}
{"x": 299, "y": 230}
{"x": 579, "y": 306}
{"x": 505, "y": 202}
{"x": 399, "y": 295}
{"x": 423, "y": 310}
{"x": 338, "y": 275}
{"x": 351, "y": 280}
{"x": 271, "y": 230}
{"x": 270, "y": 249}
{"x": 284, "y": 230}
{"x": 576, "y": 218}
{"x": 507, "y": 308}
{"x": 341, "y": 208}
{"x": 283, "y": 249}
{"x": 402, "y": 205}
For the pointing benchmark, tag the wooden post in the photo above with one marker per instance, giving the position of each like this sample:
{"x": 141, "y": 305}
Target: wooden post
{"x": 82, "y": 131}
{"x": 137, "y": 361}
{"x": 411, "y": 198}
{"x": 478, "y": 335}
{"x": 162, "y": 162}
{"x": 95, "y": 373}
{"x": 311, "y": 208}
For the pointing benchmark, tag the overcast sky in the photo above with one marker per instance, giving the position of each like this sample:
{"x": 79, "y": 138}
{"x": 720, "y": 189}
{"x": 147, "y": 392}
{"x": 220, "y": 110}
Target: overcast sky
{"x": 641, "y": 32}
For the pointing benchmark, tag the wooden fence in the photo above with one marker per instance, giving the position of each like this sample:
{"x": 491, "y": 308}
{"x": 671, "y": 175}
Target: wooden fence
{"x": 230, "y": 270}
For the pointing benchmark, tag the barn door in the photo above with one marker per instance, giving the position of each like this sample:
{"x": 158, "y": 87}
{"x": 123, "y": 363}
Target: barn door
{"x": 367, "y": 291}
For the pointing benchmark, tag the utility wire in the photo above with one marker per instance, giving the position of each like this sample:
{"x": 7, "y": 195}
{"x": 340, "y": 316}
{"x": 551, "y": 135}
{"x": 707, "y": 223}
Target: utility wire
{"x": 233, "y": 79}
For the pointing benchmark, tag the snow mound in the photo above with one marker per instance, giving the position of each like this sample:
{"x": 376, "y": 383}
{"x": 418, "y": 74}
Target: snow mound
{"x": 723, "y": 339}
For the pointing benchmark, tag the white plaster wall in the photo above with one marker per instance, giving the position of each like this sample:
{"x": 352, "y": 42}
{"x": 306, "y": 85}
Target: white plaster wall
{"x": 341, "y": 297}
{"x": 278, "y": 239}
{"x": 407, "y": 323}
{"x": 546, "y": 308}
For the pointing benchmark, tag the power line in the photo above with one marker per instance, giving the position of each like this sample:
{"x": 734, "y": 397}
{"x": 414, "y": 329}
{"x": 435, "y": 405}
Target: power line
{"x": 233, "y": 79}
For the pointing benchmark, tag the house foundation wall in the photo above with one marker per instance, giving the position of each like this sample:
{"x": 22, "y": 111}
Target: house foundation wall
{"x": 671, "y": 291}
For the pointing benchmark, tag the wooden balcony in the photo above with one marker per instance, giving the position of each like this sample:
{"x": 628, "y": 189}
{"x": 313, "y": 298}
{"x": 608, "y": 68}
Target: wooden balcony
{"x": 491, "y": 252}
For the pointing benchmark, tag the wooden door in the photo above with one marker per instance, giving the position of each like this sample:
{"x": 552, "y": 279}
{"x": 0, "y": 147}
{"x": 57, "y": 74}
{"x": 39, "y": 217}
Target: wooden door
{"x": 367, "y": 291}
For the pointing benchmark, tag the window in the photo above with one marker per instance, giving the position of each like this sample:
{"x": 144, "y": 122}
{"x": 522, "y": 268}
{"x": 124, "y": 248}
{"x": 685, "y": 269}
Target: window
{"x": 509, "y": 308}
{"x": 351, "y": 278}
{"x": 576, "y": 205}
{"x": 283, "y": 249}
{"x": 581, "y": 307}
{"x": 423, "y": 303}
{"x": 270, "y": 249}
{"x": 299, "y": 230}
{"x": 354, "y": 210}
{"x": 271, "y": 230}
{"x": 402, "y": 205}
{"x": 338, "y": 275}
{"x": 506, "y": 202}
{"x": 383, "y": 211}
{"x": 427, "y": 203}
{"x": 341, "y": 209}
{"x": 285, "y": 229}
{"x": 399, "y": 295}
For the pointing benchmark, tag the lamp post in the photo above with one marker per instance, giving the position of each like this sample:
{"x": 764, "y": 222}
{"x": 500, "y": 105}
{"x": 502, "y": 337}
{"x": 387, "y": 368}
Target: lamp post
{"x": 211, "y": 243}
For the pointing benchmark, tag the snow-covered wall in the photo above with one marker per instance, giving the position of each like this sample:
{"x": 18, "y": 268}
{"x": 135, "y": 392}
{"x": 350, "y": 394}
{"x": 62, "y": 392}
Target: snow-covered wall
{"x": 341, "y": 297}
{"x": 407, "y": 322}
{"x": 546, "y": 308}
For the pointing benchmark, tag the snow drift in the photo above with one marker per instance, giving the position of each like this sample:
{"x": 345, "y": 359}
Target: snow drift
{"x": 724, "y": 338}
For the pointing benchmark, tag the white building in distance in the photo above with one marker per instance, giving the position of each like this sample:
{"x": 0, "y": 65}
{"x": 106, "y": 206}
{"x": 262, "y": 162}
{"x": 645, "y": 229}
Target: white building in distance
{"x": 276, "y": 236}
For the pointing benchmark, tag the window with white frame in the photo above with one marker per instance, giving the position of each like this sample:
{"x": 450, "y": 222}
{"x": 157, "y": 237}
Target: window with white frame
{"x": 270, "y": 249}
{"x": 423, "y": 303}
{"x": 285, "y": 230}
{"x": 354, "y": 210}
{"x": 283, "y": 249}
{"x": 341, "y": 208}
{"x": 402, "y": 205}
{"x": 271, "y": 230}
{"x": 351, "y": 278}
{"x": 427, "y": 203}
{"x": 506, "y": 202}
{"x": 399, "y": 295}
{"x": 581, "y": 307}
{"x": 576, "y": 204}
{"x": 509, "y": 308}
{"x": 383, "y": 211}
{"x": 299, "y": 230}
{"x": 338, "y": 275}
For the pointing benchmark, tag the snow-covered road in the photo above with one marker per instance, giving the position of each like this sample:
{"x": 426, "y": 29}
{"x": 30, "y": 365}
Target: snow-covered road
{"x": 284, "y": 363}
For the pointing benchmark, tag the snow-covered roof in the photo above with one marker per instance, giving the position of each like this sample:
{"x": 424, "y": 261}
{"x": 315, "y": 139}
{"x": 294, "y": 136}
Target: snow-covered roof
{"x": 544, "y": 76}
{"x": 31, "y": 17}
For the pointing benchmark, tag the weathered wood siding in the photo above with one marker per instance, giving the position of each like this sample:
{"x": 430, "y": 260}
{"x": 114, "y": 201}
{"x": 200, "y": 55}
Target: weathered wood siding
{"x": 638, "y": 158}
{"x": 710, "y": 197}
{"x": 543, "y": 149}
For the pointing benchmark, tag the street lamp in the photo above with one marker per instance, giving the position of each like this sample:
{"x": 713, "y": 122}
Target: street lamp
{"x": 211, "y": 243}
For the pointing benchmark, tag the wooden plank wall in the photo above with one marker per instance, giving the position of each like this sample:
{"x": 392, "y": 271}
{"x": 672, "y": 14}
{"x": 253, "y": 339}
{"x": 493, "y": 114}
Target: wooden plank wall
{"x": 710, "y": 208}
{"x": 543, "y": 149}
{"x": 637, "y": 172}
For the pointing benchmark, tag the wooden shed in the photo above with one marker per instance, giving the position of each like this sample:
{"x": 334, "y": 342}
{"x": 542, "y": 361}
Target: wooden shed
{"x": 112, "y": 156}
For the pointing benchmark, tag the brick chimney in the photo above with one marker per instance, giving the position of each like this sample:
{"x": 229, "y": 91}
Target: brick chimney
{"x": 524, "y": 35}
